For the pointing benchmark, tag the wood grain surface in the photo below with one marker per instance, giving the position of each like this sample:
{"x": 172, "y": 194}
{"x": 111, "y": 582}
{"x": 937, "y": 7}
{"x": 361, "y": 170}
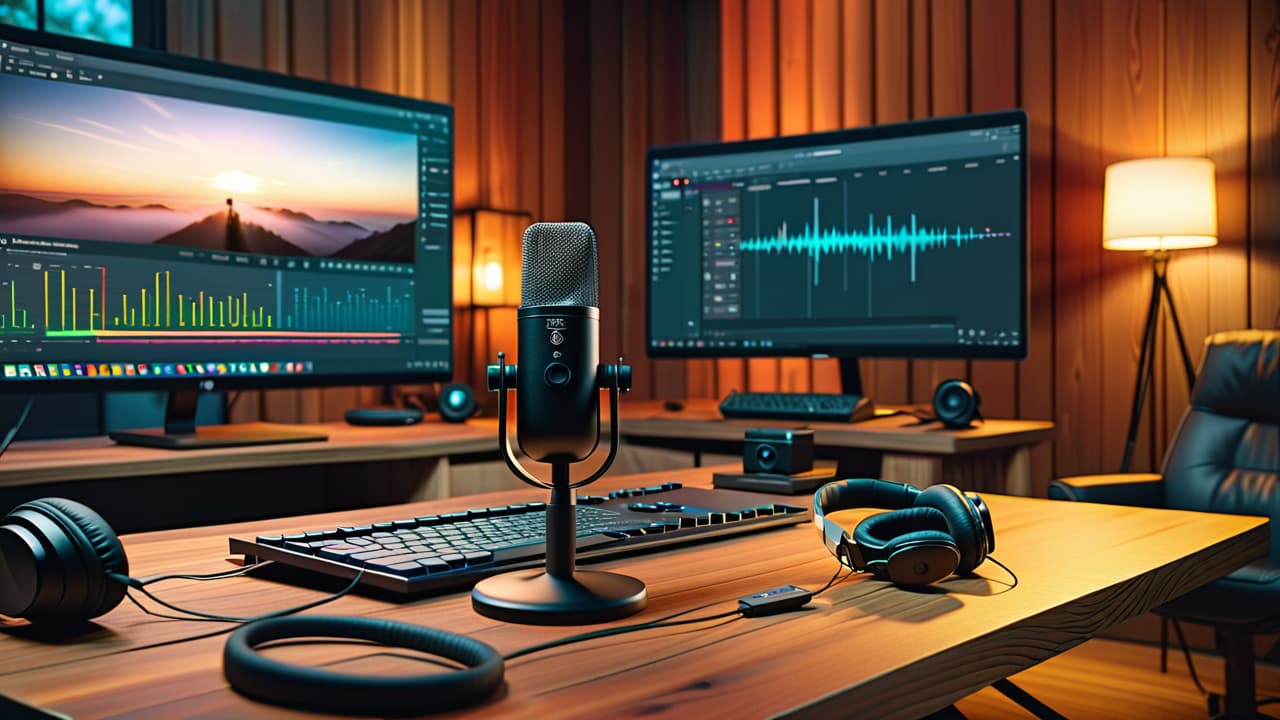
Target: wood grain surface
{"x": 45, "y": 461}
{"x": 865, "y": 648}
{"x": 699, "y": 420}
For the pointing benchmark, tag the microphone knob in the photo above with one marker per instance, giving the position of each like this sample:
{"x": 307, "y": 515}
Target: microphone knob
{"x": 557, "y": 374}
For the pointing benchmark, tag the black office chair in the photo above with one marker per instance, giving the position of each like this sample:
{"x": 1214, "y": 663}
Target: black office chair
{"x": 1225, "y": 457}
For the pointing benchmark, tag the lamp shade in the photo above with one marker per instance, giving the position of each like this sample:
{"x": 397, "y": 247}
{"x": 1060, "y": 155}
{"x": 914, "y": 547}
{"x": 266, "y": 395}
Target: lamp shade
{"x": 1166, "y": 203}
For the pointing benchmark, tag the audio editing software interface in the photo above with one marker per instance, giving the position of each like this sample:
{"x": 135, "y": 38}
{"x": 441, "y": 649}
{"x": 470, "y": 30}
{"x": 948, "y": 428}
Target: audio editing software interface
{"x": 896, "y": 242}
{"x": 163, "y": 223}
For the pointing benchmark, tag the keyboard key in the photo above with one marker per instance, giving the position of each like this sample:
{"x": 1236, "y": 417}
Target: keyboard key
{"x": 376, "y": 554}
{"x": 476, "y": 557}
{"x": 339, "y": 552}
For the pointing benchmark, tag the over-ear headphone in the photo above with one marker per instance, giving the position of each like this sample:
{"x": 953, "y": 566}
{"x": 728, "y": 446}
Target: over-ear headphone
{"x": 929, "y": 534}
{"x": 60, "y": 562}
{"x": 956, "y": 403}
{"x": 55, "y": 557}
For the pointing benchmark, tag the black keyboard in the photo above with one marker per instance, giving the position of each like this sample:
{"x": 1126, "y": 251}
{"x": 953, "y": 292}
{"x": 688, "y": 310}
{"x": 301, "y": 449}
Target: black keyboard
{"x": 429, "y": 553}
{"x": 829, "y": 407}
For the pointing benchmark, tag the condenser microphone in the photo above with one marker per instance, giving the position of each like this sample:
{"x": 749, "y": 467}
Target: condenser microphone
{"x": 558, "y": 324}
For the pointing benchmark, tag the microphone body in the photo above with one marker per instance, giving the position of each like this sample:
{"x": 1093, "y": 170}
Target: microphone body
{"x": 558, "y": 413}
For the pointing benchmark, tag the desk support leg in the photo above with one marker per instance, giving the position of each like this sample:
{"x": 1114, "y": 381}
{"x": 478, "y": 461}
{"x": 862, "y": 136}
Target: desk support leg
{"x": 1026, "y": 700}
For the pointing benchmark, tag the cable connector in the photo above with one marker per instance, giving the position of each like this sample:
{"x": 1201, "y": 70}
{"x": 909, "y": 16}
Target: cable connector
{"x": 775, "y": 600}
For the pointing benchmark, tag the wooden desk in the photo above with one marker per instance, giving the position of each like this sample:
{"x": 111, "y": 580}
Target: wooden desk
{"x": 356, "y": 466}
{"x": 863, "y": 649}
{"x": 994, "y": 456}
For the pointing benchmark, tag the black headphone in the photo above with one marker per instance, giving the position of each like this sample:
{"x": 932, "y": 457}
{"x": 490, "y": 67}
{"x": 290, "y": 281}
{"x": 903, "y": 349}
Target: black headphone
{"x": 929, "y": 535}
{"x": 60, "y": 562}
{"x": 955, "y": 403}
{"x": 55, "y": 555}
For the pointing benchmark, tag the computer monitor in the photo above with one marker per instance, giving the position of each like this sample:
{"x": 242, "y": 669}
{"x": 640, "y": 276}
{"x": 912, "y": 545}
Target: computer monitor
{"x": 904, "y": 240}
{"x": 173, "y": 224}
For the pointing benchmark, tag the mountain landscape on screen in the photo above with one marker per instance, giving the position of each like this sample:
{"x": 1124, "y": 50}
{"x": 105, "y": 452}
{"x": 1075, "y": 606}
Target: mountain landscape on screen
{"x": 252, "y": 229}
{"x": 94, "y": 163}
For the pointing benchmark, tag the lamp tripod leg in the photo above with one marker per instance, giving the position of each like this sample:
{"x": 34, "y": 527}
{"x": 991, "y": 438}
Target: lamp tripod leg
{"x": 1146, "y": 365}
{"x": 1187, "y": 366}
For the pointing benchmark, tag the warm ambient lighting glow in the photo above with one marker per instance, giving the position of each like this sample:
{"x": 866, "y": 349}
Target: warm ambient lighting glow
{"x": 1167, "y": 203}
{"x": 492, "y": 280}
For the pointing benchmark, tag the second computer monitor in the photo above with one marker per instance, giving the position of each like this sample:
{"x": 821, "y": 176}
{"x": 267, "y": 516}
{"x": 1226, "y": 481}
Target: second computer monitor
{"x": 901, "y": 240}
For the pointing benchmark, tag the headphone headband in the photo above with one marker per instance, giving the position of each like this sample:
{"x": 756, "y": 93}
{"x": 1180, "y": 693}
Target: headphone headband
{"x": 924, "y": 536}
{"x": 855, "y": 493}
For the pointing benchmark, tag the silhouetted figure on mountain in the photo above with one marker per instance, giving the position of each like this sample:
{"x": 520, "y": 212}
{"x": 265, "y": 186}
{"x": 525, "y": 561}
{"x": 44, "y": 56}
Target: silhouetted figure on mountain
{"x": 235, "y": 238}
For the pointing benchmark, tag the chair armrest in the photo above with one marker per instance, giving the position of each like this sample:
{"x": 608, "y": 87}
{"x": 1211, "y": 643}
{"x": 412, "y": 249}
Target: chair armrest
{"x": 1140, "y": 489}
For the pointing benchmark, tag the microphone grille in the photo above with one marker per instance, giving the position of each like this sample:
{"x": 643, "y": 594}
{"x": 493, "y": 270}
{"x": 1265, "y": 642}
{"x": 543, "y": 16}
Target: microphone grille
{"x": 559, "y": 265}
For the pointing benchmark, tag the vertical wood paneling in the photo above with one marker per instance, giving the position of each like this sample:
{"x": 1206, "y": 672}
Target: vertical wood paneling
{"x": 1186, "y": 133}
{"x": 466, "y": 105}
{"x": 552, "y": 101}
{"x": 342, "y": 41}
{"x": 945, "y": 85}
{"x": 795, "y": 91}
{"x": 438, "y": 36}
{"x": 1264, "y": 210}
{"x": 857, "y": 62}
{"x": 731, "y": 373}
{"x": 376, "y": 45}
{"x": 1078, "y": 226}
{"x": 826, "y": 107}
{"x": 887, "y": 380}
{"x": 309, "y": 54}
{"x": 1036, "y": 374}
{"x": 762, "y": 121}
{"x": 1227, "y": 133}
{"x": 662, "y": 84}
{"x": 605, "y": 149}
{"x": 702, "y": 48}
{"x": 993, "y": 85}
{"x": 1132, "y": 96}
{"x": 640, "y": 72}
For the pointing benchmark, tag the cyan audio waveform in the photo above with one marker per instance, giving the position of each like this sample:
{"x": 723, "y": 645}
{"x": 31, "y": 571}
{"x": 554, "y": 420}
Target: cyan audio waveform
{"x": 876, "y": 241}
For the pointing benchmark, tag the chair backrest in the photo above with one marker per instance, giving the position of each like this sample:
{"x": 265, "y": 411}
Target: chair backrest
{"x": 1225, "y": 454}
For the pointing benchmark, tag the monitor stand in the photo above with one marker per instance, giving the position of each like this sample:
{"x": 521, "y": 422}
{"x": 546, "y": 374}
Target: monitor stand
{"x": 851, "y": 384}
{"x": 180, "y": 431}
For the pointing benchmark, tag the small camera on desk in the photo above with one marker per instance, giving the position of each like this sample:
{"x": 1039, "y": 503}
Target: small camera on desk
{"x": 777, "y": 460}
{"x": 778, "y": 451}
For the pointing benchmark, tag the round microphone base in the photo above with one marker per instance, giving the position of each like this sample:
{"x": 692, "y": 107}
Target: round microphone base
{"x": 532, "y": 597}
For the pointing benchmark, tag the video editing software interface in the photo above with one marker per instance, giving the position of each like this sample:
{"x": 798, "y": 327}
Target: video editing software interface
{"x": 155, "y": 222}
{"x": 902, "y": 245}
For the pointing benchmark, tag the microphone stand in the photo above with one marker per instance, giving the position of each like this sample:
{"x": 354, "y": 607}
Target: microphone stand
{"x": 559, "y": 595}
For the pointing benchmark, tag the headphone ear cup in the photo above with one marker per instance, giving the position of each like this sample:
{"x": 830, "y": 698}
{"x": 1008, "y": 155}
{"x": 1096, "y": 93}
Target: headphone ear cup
{"x": 907, "y": 547}
{"x": 963, "y": 523}
{"x": 100, "y": 543}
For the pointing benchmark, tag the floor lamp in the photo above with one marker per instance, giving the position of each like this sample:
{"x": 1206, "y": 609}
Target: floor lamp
{"x": 1155, "y": 206}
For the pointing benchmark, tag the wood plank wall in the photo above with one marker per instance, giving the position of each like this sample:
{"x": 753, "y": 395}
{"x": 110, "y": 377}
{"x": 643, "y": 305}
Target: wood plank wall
{"x": 557, "y": 99}
{"x": 1102, "y": 80}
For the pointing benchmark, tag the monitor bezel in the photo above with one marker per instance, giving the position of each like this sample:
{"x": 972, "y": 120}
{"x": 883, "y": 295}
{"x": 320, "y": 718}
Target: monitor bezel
{"x": 182, "y": 63}
{"x": 875, "y": 132}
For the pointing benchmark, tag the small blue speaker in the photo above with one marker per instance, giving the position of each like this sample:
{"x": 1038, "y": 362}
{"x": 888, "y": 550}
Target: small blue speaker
{"x": 956, "y": 403}
{"x": 457, "y": 402}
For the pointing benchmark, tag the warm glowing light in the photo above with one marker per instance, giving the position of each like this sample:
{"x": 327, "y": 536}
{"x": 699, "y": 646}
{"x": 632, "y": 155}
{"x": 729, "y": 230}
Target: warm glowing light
{"x": 1167, "y": 203}
{"x": 237, "y": 181}
{"x": 493, "y": 276}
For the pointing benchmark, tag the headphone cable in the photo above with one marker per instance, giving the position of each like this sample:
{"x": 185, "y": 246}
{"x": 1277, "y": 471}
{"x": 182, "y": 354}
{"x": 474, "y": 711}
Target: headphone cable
{"x": 140, "y": 586}
{"x": 17, "y": 424}
{"x": 1004, "y": 567}
{"x": 661, "y": 622}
